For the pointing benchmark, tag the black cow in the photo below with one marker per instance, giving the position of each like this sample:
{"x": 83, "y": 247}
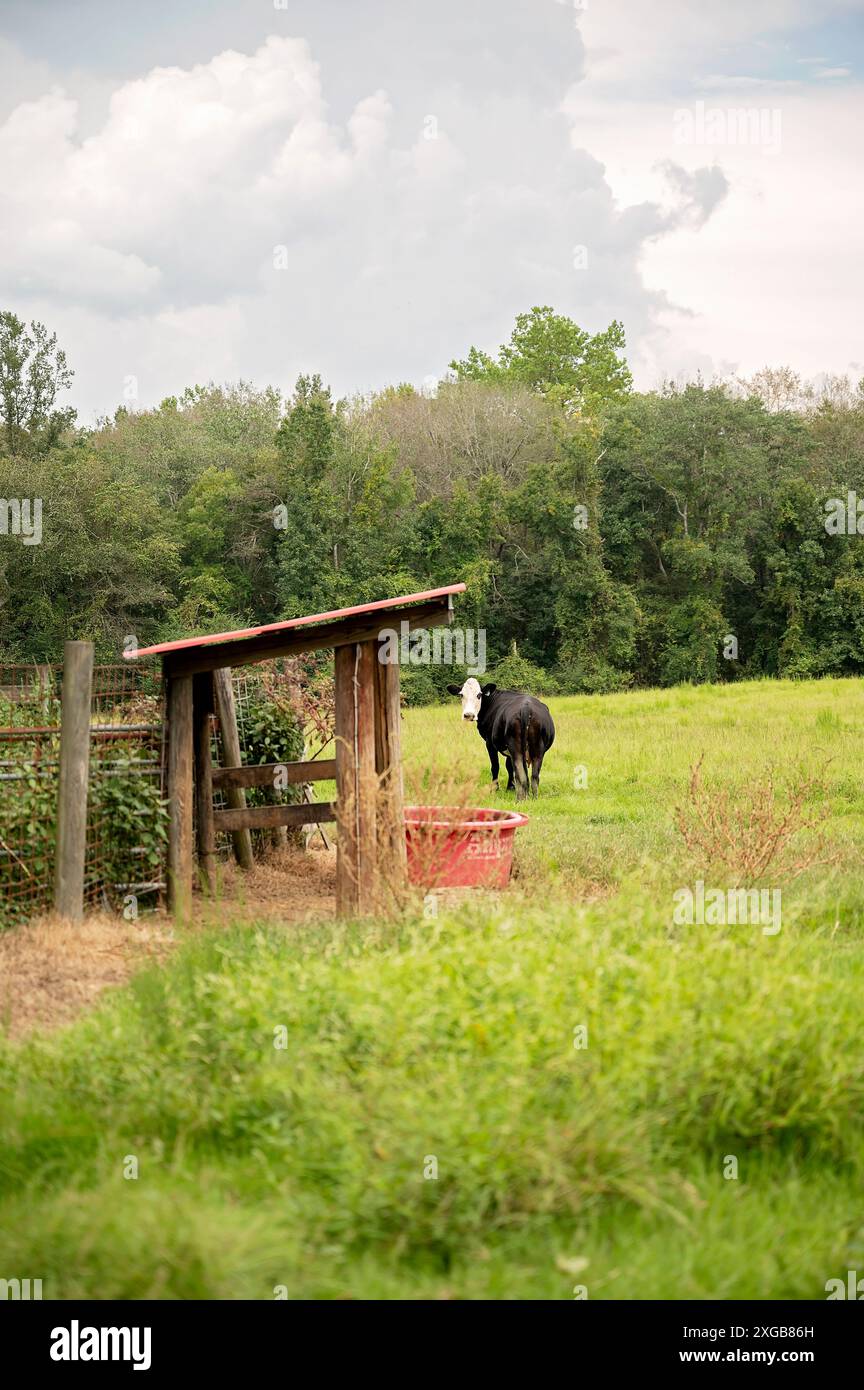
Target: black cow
{"x": 512, "y": 723}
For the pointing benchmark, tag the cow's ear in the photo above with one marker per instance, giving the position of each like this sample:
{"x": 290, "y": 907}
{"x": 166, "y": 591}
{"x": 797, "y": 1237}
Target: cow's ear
{"x": 454, "y": 690}
{"x": 488, "y": 689}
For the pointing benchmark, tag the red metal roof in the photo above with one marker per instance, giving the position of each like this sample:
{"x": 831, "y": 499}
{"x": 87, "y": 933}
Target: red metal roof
{"x": 383, "y": 603}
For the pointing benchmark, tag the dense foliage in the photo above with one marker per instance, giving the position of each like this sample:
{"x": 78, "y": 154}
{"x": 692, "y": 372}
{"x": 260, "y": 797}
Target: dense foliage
{"x": 616, "y": 537}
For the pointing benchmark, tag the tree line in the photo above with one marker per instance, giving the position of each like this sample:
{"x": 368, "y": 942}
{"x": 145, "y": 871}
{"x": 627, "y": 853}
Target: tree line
{"x": 608, "y": 537}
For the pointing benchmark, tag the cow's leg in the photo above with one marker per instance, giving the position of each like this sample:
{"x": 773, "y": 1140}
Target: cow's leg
{"x": 520, "y": 773}
{"x": 496, "y": 766}
{"x": 510, "y": 782}
{"x": 535, "y": 771}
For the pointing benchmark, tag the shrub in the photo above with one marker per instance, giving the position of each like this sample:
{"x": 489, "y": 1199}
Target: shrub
{"x": 420, "y": 686}
{"x": 28, "y": 817}
{"x": 128, "y": 822}
{"x": 272, "y": 730}
{"x": 748, "y": 838}
{"x": 514, "y": 672}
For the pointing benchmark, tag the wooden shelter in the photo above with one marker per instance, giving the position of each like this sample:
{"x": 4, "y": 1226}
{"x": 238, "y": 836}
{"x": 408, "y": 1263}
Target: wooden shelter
{"x": 367, "y": 767}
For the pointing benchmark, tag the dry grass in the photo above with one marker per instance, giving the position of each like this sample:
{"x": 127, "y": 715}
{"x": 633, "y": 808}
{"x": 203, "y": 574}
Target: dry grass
{"x": 749, "y": 836}
{"x": 289, "y": 885}
{"x": 51, "y": 970}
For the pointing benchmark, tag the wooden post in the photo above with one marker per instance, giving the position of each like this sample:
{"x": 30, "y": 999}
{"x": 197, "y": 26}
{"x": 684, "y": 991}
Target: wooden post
{"x": 180, "y": 794}
{"x": 311, "y": 829}
{"x": 347, "y": 875}
{"x": 392, "y": 849}
{"x": 367, "y": 777}
{"x": 73, "y": 781}
{"x": 231, "y": 757}
{"x": 356, "y": 778}
{"x": 202, "y": 699}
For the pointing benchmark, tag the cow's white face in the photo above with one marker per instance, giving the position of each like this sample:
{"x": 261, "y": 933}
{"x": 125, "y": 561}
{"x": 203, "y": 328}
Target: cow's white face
{"x": 471, "y": 694}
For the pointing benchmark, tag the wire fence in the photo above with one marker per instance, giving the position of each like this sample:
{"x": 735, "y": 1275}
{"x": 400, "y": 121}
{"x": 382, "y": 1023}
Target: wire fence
{"x": 125, "y": 810}
{"x": 277, "y": 710}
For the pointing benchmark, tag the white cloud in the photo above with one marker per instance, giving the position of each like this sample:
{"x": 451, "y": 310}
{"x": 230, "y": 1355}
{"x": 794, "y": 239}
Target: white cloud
{"x": 155, "y": 235}
{"x": 180, "y": 193}
{"x": 369, "y": 124}
{"x": 772, "y": 276}
{"x": 141, "y": 222}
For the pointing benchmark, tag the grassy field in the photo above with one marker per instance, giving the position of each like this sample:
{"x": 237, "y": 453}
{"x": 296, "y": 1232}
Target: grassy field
{"x": 286, "y": 1095}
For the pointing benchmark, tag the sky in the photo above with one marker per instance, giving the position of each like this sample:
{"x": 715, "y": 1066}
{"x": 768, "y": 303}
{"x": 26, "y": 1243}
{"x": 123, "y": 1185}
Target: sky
{"x": 210, "y": 190}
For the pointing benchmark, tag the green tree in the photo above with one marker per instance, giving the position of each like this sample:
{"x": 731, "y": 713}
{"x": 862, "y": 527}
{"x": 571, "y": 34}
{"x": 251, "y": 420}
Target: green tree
{"x": 347, "y": 507}
{"x": 33, "y": 370}
{"x": 687, "y": 483}
{"x": 106, "y": 567}
{"x": 550, "y": 353}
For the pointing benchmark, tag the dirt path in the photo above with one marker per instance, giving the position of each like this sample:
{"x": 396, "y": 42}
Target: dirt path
{"x": 51, "y": 971}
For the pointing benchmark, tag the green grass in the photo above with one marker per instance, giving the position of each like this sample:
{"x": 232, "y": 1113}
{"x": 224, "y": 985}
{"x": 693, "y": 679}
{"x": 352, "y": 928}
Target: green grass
{"x": 453, "y": 1038}
{"x": 637, "y": 750}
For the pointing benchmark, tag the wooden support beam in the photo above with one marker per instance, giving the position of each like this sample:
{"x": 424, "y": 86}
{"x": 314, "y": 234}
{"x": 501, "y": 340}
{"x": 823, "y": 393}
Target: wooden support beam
{"x": 264, "y": 774}
{"x": 202, "y": 700}
{"x": 246, "y": 651}
{"x": 367, "y": 777}
{"x": 232, "y": 757}
{"x": 392, "y": 848}
{"x": 74, "y": 780}
{"x": 356, "y": 779}
{"x": 180, "y": 794}
{"x": 266, "y": 817}
{"x": 347, "y": 895}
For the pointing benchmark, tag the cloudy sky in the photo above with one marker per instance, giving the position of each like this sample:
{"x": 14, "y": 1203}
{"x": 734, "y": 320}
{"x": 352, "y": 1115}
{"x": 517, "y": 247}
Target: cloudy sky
{"x": 195, "y": 190}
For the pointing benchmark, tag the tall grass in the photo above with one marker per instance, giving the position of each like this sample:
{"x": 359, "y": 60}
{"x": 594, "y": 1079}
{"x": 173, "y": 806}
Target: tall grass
{"x": 406, "y": 1109}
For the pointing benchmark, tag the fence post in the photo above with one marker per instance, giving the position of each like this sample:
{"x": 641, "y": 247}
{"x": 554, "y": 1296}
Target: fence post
{"x": 74, "y": 778}
{"x": 181, "y": 789}
{"x": 232, "y": 757}
{"x": 392, "y": 847}
{"x": 356, "y": 779}
{"x": 347, "y": 853}
{"x": 202, "y": 708}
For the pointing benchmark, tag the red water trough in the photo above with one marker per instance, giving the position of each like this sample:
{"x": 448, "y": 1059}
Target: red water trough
{"x": 454, "y": 847}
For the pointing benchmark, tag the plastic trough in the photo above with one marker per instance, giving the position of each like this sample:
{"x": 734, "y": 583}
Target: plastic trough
{"x": 455, "y": 847}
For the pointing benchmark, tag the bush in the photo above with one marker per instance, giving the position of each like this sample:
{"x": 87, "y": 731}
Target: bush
{"x": 271, "y": 729}
{"x": 127, "y": 828}
{"x": 128, "y": 822}
{"x": 422, "y": 685}
{"x": 592, "y": 678}
{"x": 514, "y": 672}
{"x": 692, "y": 641}
{"x": 28, "y": 823}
